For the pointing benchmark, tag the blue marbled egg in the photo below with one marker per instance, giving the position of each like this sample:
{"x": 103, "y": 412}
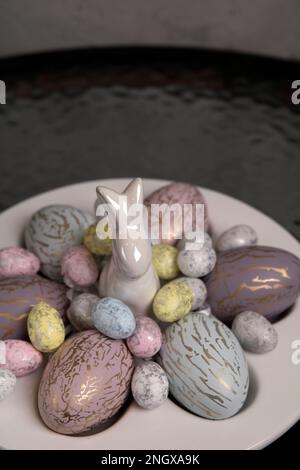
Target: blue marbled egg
{"x": 113, "y": 318}
{"x": 205, "y": 366}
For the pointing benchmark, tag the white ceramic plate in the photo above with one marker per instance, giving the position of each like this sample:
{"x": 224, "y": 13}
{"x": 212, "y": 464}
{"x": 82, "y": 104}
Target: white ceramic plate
{"x": 273, "y": 404}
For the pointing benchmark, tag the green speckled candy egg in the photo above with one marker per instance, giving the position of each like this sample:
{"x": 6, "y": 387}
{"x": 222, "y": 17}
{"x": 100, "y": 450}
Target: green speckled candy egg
{"x": 173, "y": 301}
{"x": 45, "y": 328}
{"x": 205, "y": 366}
{"x": 51, "y": 231}
{"x": 164, "y": 258}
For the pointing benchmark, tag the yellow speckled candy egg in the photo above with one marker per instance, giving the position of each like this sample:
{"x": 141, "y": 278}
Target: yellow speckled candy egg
{"x": 173, "y": 301}
{"x": 45, "y": 328}
{"x": 164, "y": 258}
{"x": 96, "y": 245}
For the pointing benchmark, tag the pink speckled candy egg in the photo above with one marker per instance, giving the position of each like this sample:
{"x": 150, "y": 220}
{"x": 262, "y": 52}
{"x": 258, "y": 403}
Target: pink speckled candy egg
{"x": 175, "y": 193}
{"x": 20, "y": 357}
{"x": 147, "y": 338}
{"x": 79, "y": 267}
{"x": 16, "y": 261}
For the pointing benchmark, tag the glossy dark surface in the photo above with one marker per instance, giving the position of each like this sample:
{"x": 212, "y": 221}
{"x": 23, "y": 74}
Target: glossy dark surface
{"x": 217, "y": 120}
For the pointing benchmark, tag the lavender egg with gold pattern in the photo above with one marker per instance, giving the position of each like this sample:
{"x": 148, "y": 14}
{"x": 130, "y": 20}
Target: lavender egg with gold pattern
{"x": 205, "y": 366}
{"x": 85, "y": 383}
{"x": 18, "y": 295}
{"x": 51, "y": 231}
{"x": 258, "y": 278}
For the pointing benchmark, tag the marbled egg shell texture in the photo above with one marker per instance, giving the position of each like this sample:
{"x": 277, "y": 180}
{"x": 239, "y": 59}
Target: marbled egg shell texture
{"x": 7, "y": 383}
{"x": 205, "y": 366}
{"x": 176, "y": 193}
{"x": 236, "y": 237}
{"x": 85, "y": 383}
{"x": 78, "y": 267}
{"x": 146, "y": 339}
{"x": 254, "y": 332}
{"x": 80, "y": 311}
{"x": 18, "y": 295}
{"x": 51, "y": 231}
{"x": 21, "y": 357}
{"x": 16, "y": 261}
{"x": 149, "y": 385}
{"x": 259, "y": 278}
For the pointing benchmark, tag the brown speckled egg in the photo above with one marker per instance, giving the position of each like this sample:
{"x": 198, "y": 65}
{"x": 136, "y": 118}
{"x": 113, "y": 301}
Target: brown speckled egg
{"x": 85, "y": 383}
{"x": 51, "y": 231}
{"x": 18, "y": 295}
{"x": 175, "y": 193}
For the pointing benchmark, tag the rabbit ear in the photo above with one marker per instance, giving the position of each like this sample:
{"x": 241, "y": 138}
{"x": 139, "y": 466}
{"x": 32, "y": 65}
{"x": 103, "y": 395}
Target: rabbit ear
{"x": 109, "y": 199}
{"x": 134, "y": 192}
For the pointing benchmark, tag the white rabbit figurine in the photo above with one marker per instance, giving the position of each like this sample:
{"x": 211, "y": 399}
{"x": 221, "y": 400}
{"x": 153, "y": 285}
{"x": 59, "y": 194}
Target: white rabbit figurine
{"x": 129, "y": 275}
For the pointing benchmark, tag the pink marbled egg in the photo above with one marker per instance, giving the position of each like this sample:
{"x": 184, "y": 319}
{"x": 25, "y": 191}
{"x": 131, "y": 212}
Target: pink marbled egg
{"x": 147, "y": 338}
{"x": 79, "y": 267}
{"x": 21, "y": 357}
{"x": 16, "y": 261}
{"x": 176, "y": 193}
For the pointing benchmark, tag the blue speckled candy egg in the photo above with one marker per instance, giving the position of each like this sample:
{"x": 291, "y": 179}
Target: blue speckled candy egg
{"x": 205, "y": 366}
{"x": 51, "y": 231}
{"x": 113, "y": 318}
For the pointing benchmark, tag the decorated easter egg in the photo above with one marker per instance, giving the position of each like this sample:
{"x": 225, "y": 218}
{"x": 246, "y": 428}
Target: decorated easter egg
{"x": 51, "y": 231}
{"x": 113, "y": 318}
{"x": 20, "y": 357}
{"x": 259, "y": 278}
{"x": 149, "y": 385}
{"x": 190, "y": 241}
{"x": 173, "y": 301}
{"x": 16, "y": 261}
{"x": 98, "y": 245}
{"x": 177, "y": 195}
{"x": 146, "y": 339}
{"x": 80, "y": 311}
{"x": 199, "y": 290}
{"x": 45, "y": 328}
{"x": 254, "y": 332}
{"x": 85, "y": 383}
{"x": 7, "y": 383}
{"x": 205, "y": 366}
{"x": 18, "y": 295}
{"x": 164, "y": 259}
{"x": 197, "y": 263}
{"x": 78, "y": 267}
{"x": 236, "y": 237}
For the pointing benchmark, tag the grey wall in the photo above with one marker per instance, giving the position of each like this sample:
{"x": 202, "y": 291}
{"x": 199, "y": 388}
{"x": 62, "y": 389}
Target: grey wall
{"x": 259, "y": 26}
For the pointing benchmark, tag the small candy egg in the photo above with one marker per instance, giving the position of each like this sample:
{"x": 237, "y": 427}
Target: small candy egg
{"x": 146, "y": 339}
{"x": 16, "y": 261}
{"x": 236, "y": 237}
{"x": 164, "y": 258}
{"x": 80, "y": 311}
{"x": 7, "y": 383}
{"x": 254, "y": 332}
{"x": 199, "y": 290}
{"x": 45, "y": 328}
{"x": 173, "y": 301}
{"x": 197, "y": 263}
{"x": 149, "y": 386}
{"x": 188, "y": 242}
{"x": 21, "y": 358}
{"x": 97, "y": 245}
{"x": 113, "y": 318}
{"x": 79, "y": 268}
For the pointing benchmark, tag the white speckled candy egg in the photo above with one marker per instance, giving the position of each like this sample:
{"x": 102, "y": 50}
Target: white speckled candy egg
{"x": 21, "y": 358}
{"x": 16, "y": 261}
{"x": 199, "y": 290}
{"x": 7, "y": 383}
{"x": 45, "y": 328}
{"x": 205, "y": 366}
{"x": 79, "y": 268}
{"x": 80, "y": 311}
{"x": 173, "y": 301}
{"x": 236, "y": 237}
{"x": 255, "y": 332}
{"x": 197, "y": 263}
{"x": 51, "y": 231}
{"x": 188, "y": 242}
{"x": 149, "y": 385}
{"x": 113, "y": 318}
